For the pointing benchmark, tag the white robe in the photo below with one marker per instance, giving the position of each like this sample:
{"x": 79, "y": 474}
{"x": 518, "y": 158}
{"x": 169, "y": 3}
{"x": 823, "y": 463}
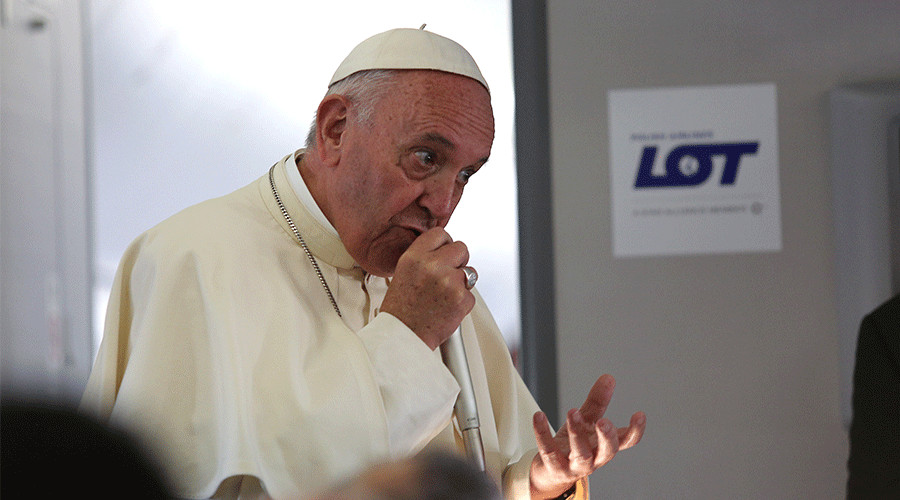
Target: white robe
{"x": 222, "y": 349}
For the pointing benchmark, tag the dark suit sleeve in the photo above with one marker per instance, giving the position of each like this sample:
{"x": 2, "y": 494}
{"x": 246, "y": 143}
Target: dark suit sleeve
{"x": 874, "y": 463}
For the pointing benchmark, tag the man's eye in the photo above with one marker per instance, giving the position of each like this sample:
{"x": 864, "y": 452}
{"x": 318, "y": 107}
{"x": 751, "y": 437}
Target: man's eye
{"x": 425, "y": 157}
{"x": 464, "y": 175}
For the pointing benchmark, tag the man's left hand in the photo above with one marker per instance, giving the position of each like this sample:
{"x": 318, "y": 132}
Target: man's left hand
{"x": 585, "y": 443}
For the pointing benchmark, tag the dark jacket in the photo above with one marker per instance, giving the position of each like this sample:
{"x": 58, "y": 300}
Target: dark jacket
{"x": 874, "y": 463}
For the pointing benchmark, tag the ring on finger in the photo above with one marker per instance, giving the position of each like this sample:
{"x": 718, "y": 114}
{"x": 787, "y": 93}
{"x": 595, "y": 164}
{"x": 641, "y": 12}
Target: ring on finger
{"x": 471, "y": 276}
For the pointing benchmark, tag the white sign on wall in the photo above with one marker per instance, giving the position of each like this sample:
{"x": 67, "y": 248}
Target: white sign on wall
{"x": 694, "y": 170}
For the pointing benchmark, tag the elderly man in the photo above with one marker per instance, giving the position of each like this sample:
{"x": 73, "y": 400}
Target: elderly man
{"x": 285, "y": 336}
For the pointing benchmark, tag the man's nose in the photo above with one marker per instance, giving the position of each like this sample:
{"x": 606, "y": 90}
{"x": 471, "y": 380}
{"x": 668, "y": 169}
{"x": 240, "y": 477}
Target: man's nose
{"x": 440, "y": 196}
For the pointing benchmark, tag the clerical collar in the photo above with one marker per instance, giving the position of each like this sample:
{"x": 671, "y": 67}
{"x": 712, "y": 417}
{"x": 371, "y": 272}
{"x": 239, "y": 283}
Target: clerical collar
{"x": 302, "y": 192}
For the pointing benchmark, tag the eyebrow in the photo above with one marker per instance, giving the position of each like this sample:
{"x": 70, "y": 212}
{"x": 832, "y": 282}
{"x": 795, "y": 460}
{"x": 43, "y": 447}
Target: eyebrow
{"x": 434, "y": 137}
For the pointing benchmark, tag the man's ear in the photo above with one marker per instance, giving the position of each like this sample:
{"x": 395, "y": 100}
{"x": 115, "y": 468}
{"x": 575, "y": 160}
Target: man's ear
{"x": 331, "y": 124}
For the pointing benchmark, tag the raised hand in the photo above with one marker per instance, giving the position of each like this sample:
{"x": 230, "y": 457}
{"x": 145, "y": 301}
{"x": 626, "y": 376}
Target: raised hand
{"x": 586, "y": 442}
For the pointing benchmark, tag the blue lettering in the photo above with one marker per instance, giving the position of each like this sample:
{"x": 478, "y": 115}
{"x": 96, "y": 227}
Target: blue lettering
{"x": 691, "y": 165}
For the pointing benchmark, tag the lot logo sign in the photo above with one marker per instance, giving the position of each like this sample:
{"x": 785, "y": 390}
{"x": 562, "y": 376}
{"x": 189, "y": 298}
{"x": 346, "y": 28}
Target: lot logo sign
{"x": 694, "y": 170}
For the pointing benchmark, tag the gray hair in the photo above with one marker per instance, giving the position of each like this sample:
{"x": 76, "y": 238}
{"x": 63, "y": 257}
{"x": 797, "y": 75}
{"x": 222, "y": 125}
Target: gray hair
{"x": 364, "y": 89}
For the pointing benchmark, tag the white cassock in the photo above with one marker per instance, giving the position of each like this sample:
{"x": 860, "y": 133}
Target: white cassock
{"x": 222, "y": 349}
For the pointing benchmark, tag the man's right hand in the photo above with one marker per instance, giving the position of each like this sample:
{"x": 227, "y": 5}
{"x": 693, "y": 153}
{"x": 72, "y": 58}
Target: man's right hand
{"x": 428, "y": 290}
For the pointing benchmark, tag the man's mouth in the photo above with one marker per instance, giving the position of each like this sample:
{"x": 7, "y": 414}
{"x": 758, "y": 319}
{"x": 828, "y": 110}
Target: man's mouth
{"x": 415, "y": 229}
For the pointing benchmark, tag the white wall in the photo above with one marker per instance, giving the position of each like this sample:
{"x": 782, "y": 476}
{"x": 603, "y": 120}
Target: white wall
{"x": 733, "y": 357}
{"x": 44, "y": 230}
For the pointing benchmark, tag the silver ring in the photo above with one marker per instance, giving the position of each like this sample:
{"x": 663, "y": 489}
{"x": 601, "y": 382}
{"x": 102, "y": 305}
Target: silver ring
{"x": 471, "y": 276}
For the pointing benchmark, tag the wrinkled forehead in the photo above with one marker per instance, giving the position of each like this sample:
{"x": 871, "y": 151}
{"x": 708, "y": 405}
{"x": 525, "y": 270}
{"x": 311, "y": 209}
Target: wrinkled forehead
{"x": 420, "y": 97}
{"x": 432, "y": 87}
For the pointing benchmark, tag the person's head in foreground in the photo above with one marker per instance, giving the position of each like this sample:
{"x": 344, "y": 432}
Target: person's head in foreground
{"x": 427, "y": 476}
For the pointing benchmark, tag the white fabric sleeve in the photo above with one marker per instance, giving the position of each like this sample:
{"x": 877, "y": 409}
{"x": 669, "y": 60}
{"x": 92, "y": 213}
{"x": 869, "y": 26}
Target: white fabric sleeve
{"x": 228, "y": 378}
{"x": 417, "y": 389}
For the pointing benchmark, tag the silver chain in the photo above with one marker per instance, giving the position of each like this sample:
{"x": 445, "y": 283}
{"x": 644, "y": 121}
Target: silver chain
{"x": 309, "y": 254}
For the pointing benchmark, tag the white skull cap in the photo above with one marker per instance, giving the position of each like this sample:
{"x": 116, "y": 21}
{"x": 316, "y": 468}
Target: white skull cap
{"x": 407, "y": 48}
